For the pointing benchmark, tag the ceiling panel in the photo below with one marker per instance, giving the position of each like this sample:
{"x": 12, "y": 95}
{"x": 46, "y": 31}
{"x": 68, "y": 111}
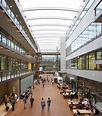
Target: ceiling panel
{"x": 50, "y": 20}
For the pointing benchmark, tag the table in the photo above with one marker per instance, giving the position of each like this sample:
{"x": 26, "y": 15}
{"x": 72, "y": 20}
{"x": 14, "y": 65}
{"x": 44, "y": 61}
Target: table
{"x": 82, "y": 111}
{"x": 74, "y": 102}
{"x": 66, "y": 95}
{"x": 68, "y": 90}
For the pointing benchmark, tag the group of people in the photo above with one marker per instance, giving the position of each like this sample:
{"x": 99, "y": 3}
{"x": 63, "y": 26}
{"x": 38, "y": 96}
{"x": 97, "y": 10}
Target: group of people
{"x": 10, "y": 99}
{"x": 25, "y": 101}
{"x": 43, "y": 104}
{"x": 43, "y": 80}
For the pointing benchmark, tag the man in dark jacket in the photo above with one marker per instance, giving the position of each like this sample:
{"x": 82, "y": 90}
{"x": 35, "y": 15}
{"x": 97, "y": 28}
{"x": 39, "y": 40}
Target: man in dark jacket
{"x": 48, "y": 103}
{"x": 31, "y": 100}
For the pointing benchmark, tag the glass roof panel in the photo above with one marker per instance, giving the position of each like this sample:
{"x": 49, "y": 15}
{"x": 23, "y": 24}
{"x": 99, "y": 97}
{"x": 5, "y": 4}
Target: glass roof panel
{"x": 50, "y": 20}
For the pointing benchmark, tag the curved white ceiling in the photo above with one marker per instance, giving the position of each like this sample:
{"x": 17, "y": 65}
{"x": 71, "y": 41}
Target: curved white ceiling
{"x": 49, "y": 20}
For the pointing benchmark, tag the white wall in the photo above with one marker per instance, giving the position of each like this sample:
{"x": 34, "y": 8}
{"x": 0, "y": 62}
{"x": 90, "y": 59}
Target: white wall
{"x": 88, "y": 74}
{"x": 63, "y": 55}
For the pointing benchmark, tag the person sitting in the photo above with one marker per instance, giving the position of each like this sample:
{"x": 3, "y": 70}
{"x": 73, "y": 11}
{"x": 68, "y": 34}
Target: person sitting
{"x": 7, "y": 106}
{"x": 78, "y": 112}
{"x": 76, "y": 96}
{"x": 87, "y": 107}
{"x": 62, "y": 91}
{"x": 71, "y": 106}
{"x": 80, "y": 105}
{"x": 85, "y": 102}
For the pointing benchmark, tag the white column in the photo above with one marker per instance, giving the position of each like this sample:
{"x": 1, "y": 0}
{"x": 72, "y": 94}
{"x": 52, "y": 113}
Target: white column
{"x": 63, "y": 54}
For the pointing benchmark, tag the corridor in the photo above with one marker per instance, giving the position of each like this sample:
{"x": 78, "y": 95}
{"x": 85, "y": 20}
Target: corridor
{"x": 59, "y": 106}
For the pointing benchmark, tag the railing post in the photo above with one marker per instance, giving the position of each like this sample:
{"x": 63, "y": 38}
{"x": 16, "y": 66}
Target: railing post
{"x": 6, "y": 75}
{"x": 1, "y": 76}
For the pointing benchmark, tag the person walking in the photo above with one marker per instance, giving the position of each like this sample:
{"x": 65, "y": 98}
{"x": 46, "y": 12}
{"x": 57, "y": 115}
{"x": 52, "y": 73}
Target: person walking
{"x": 31, "y": 100}
{"x": 48, "y": 103}
{"x": 25, "y": 101}
{"x": 43, "y": 104}
{"x": 43, "y": 84}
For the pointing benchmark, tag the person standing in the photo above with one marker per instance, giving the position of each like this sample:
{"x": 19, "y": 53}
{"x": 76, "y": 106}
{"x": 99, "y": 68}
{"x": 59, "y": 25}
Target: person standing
{"x": 31, "y": 100}
{"x": 48, "y": 103}
{"x": 43, "y": 103}
{"x": 25, "y": 101}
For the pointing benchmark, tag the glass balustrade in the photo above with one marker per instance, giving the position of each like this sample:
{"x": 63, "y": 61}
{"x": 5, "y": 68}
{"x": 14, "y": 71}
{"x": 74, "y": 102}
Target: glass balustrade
{"x": 12, "y": 45}
{"x": 98, "y": 8}
{"x": 14, "y": 19}
{"x": 89, "y": 34}
{"x": 6, "y": 75}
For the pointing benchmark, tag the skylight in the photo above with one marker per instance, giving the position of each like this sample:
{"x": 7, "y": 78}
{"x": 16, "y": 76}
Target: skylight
{"x": 49, "y": 20}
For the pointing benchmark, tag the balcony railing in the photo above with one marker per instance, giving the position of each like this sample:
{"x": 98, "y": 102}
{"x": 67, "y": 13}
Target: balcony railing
{"x": 6, "y": 75}
{"x": 17, "y": 23}
{"x": 96, "y": 100}
{"x": 98, "y": 12}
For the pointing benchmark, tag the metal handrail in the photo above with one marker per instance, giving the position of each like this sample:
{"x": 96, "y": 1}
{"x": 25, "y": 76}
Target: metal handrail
{"x": 7, "y": 74}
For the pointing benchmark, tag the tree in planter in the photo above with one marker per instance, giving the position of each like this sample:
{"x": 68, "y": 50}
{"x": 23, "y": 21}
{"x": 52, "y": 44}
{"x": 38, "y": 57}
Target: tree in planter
{"x": 66, "y": 80}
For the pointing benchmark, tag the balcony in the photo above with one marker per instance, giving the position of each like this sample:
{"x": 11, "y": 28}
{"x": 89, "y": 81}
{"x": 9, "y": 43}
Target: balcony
{"x": 7, "y": 75}
{"x": 98, "y": 12}
{"x": 96, "y": 99}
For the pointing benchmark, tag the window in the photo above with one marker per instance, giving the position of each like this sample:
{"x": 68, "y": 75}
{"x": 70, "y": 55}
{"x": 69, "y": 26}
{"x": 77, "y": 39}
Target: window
{"x": 74, "y": 63}
{"x": 0, "y": 37}
{"x": 2, "y": 63}
{"x": 99, "y": 55}
{"x": 92, "y": 64}
{"x": 8, "y": 42}
{"x": 79, "y": 65}
{"x": 3, "y": 39}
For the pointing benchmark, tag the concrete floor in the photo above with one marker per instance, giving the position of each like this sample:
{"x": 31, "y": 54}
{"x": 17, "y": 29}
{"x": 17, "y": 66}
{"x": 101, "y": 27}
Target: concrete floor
{"x": 59, "y": 106}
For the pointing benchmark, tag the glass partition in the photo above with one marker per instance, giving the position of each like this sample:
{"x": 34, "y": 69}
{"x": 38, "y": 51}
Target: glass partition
{"x": 98, "y": 8}
{"x": 74, "y": 63}
{"x": 3, "y": 3}
{"x": 4, "y": 39}
{"x": 92, "y": 64}
{"x": 99, "y": 55}
{"x": 81, "y": 15}
{"x": 79, "y": 65}
{"x": 88, "y": 35}
{"x": 8, "y": 42}
{"x": 12, "y": 44}
{"x": 0, "y": 37}
{"x": 96, "y": 100}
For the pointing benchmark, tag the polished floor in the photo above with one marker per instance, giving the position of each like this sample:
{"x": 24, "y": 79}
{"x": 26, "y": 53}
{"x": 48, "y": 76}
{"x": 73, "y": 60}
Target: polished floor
{"x": 59, "y": 106}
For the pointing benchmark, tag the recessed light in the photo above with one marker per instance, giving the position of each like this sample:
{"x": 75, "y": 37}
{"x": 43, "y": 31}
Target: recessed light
{"x": 10, "y": 6}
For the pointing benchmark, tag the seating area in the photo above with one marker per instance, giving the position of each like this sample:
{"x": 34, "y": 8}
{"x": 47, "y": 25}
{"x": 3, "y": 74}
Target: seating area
{"x": 77, "y": 104}
{"x": 67, "y": 92}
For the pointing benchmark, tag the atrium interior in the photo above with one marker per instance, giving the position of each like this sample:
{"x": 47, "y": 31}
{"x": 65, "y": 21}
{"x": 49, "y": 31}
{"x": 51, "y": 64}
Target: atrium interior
{"x": 44, "y": 37}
